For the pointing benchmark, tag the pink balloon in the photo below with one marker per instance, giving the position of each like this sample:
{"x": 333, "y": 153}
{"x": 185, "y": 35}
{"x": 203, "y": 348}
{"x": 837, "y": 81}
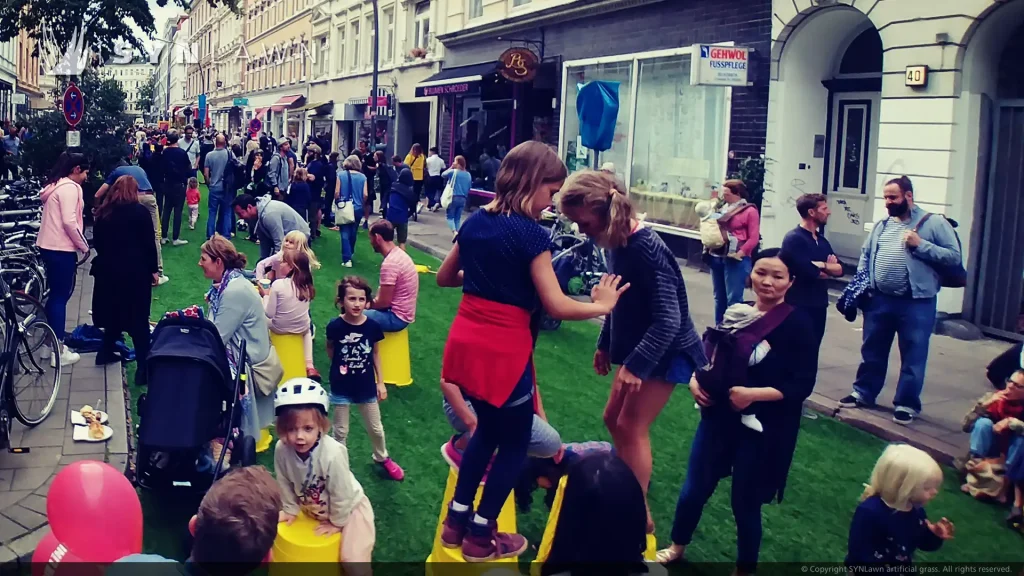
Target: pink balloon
{"x": 50, "y": 556}
{"x": 94, "y": 511}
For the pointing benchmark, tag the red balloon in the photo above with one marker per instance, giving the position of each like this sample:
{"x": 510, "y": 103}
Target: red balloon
{"x": 51, "y": 558}
{"x": 94, "y": 511}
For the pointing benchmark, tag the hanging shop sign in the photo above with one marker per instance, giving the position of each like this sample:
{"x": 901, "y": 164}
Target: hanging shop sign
{"x": 519, "y": 64}
{"x": 720, "y": 65}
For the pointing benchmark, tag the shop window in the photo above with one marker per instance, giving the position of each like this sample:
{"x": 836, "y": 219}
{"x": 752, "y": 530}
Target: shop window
{"x": 476, "y": 8}
{"x": 578, "y": 157}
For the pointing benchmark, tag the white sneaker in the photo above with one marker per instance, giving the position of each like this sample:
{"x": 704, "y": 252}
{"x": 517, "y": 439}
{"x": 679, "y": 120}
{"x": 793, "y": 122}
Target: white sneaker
{"x": 180, "y": 242}
{"x": 347, "y": 264}
{"x": 751, "y": 421}
{"x": 164, "y": 241}
{"x": 163, "y": 280}
{"x": 67, "y": 357}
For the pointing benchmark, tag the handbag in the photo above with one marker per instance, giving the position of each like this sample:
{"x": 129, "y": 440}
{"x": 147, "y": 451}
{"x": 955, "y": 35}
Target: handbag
{"x": 950, "y": 275}
{"x": 344, "y": 211}
{"x": 449, "y": 193}
{"x": 268, "y": 374}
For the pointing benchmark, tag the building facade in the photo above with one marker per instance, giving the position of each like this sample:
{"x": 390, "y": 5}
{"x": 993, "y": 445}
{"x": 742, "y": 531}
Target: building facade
{"x": 172, "y": 51}
{"x": 674, "y": 142}
{"x": 131, "y": 77}
{"x": 276, "y": 62}
{"x": 866, "y": 91}
{"x": 8, "y": 78}
{"x": 28, "y": 77}
{"x": 228, "y": 69}
{"x": 339, "y": 107}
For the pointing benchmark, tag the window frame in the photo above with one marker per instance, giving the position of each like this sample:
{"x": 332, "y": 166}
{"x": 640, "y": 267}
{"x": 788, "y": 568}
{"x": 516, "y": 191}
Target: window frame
{"x": 470, "y": 5}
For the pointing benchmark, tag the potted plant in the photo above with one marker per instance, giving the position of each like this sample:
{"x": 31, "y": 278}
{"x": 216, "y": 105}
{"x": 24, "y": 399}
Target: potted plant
{"x": 418, "y": 52}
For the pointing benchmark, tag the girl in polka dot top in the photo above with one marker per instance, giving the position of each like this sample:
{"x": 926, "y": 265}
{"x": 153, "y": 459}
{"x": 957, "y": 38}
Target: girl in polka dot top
{"x": 502, "y": 261}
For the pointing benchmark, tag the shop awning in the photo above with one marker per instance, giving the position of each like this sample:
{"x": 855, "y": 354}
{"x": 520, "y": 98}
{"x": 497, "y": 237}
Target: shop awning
{"x": 455, "y": 80}
{"x": 260, "y": 113}
{"x": 312, "y": 106}
{"x": 287, "y": 102}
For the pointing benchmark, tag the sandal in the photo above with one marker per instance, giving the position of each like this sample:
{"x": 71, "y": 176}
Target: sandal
{"x": 670, "y": 555}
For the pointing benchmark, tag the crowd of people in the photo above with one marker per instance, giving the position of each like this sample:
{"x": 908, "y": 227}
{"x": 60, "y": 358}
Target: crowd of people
{"x": 750, "y": 374}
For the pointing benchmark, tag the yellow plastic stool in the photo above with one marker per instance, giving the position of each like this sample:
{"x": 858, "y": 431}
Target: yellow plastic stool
{"x": 549, "y": 533}
{"x": 394, "y": 357}
{"x": 298, "y": 543}
{"x": 293, "y": 356}
{"x": 506, "y": 523}
{"x": 264, "y": 441}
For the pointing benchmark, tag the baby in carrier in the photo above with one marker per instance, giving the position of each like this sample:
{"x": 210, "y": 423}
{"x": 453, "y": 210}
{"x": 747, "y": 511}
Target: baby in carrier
{"x": 712, "y": 235}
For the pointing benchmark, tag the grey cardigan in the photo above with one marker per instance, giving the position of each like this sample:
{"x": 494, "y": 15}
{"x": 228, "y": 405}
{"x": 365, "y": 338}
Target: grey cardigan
{"x": 241, "y": 317}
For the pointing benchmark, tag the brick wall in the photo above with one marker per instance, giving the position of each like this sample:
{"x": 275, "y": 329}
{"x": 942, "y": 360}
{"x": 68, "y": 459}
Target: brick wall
{"x": 669, "y": 24}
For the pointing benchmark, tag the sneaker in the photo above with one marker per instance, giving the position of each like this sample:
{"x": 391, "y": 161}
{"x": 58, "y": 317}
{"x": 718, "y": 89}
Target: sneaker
{"x": 191, "y": 226}
{"x": 485, "y": 543}
{"x": 164, "y": 241}
{"x": 453, "y": 531}
{"x": 179, "y": 242}
{"x": 451, "y": 454}
{"x": 903, "y": 416}
{"x": 393, "y": 470}
{"x": 347, "y": 264}
{"x": 312, "y": 331}
{"x": 853, "y": 401}
{"x": 67, "y": 357}
{"x": 163, "y": 280}
{"x": 751, "y": 421}
{"x": 1015, "y": 518}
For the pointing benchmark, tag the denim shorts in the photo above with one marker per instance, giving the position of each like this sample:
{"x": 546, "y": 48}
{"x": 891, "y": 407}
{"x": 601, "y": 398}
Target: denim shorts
{"x": 675, "y": 369}
{"x": 342, "y": 400}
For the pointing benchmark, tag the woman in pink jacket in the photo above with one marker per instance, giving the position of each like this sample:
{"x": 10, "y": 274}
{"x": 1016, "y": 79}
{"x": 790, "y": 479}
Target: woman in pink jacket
{"x": 61, "y": 239}
{"x": 729, "y": 272}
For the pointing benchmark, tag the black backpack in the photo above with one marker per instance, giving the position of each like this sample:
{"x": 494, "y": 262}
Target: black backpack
{"x": 729, "y": 352}
{"x": 950, "y": 275}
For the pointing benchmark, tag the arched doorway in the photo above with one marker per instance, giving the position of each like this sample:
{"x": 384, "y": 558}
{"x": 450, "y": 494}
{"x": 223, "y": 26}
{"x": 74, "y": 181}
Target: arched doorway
{"x": 823, "y": 124}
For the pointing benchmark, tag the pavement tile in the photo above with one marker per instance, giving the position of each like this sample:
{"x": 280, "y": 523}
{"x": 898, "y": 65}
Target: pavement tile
{"x": 9, "y": 530}
{"x": 30, "y": 519}
{"x": 7, "y": 556}
{"x": 40, "y": 437}
{"x": 30, "y": 478}
{"x": 6, "y": 476}
{"x": 58, "y": 417}
{"x": 24, "y": 546}
{"x": 35, "y": 503}
{"x": 71, "y": 447}
{"x": 72, "y": 458}
{"x": 79, "y": 399}
{"x": 88, "y": 384}
{"x": 37, "y": 458}
{"x": 8, "y": 498}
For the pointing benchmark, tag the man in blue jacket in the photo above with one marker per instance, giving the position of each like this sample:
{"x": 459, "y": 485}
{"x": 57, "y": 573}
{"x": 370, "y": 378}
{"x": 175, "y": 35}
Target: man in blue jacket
{"x": 901, "y": 256}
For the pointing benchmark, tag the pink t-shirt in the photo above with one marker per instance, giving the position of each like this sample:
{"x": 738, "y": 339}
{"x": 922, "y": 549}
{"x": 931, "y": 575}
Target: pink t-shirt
{"x": 398, "y": 270}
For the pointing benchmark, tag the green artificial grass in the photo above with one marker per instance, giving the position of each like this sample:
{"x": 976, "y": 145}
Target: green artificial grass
{"x": 831, "y": 463}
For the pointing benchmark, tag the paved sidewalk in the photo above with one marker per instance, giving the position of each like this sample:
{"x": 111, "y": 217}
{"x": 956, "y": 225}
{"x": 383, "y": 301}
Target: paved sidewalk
{"x": 25, "y": 478}
{"x": 955, "y": 376}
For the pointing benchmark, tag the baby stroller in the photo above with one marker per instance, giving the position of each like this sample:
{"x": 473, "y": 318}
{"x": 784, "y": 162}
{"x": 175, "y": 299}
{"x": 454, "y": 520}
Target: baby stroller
{"x": 578, "y": 263}
{"x": 191, "y": 404}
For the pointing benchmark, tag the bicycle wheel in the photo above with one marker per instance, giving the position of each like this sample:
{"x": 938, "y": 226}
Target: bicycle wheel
{"x": 24, "y": 275}
{"x": 35, "y": 381}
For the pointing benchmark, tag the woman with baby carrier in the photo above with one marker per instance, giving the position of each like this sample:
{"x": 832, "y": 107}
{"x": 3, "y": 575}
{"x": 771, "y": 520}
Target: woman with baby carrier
{"x": 729, "y": 270}
{"x": 779, "y": 374}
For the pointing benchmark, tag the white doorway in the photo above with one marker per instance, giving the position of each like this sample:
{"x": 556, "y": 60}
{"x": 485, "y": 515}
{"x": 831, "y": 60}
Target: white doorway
{"x": 853, "y": 145}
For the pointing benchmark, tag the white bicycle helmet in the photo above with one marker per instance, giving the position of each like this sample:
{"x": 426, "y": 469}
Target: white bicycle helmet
{"x": 300, "y": 392}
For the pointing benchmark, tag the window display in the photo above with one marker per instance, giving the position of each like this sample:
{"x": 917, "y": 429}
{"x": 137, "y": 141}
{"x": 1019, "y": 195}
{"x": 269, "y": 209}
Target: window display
{"x": 670, "y": 148}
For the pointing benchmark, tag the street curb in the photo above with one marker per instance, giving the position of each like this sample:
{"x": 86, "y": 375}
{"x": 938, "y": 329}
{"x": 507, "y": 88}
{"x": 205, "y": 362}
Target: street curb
{"x": 436, "y": 253}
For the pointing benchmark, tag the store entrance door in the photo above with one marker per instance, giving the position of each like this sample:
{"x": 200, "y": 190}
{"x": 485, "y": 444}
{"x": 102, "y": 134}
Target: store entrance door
{"x": 851, "y": 170}
{"x": 998, "y": 305}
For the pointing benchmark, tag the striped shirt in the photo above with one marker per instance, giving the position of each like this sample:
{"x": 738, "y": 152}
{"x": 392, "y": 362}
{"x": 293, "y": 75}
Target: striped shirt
{"x": 398, "y": 270}
{"x": 890, "y": 259}
{"x": 651, "y": 323}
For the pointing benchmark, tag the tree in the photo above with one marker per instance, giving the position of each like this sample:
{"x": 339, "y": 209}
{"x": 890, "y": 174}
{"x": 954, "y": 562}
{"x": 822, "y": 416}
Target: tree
{"x": 146, "y": 94}
{"x": 104, "y": 24}
{"x": 103, "y": 128}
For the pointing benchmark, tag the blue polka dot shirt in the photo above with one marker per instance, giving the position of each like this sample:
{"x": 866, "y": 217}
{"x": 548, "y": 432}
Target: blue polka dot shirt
{"x": 495, "y": 252}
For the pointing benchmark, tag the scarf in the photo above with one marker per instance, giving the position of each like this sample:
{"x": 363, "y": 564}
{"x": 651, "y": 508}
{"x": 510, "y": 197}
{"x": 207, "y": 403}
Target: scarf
{"x": 739, "y": 316}
{"x": 215, "y": 296}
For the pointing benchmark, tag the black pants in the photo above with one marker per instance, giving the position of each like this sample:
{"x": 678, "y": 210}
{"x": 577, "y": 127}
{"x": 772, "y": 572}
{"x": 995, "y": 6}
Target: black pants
{"x": 140, "y": 339}
{"x": 174, "y": 200}
{"x": 158, "y": 192}
{"x": 818, "y": 316}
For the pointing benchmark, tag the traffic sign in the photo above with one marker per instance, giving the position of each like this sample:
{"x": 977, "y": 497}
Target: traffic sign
{"x": 73, "y": 139}
{"x": 255, "y": 126}
{"x": 74, "y": 105}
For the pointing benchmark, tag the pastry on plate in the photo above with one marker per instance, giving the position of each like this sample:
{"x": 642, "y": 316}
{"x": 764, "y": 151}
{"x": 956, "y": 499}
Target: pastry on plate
{"x": 95, "y": 430}
{"x": 86, "y": 412}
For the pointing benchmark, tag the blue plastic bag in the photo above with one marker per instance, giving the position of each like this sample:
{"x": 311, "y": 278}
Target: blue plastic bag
{"x": 597, "y": 106}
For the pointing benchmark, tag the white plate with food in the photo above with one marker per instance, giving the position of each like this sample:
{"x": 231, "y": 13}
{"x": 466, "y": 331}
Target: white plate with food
{"x": 78, "y": 420}
{"x": 100, "y": 433}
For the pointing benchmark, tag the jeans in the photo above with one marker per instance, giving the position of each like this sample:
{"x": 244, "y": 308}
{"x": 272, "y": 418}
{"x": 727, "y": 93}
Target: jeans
{"x": 701, "y": 481}
{"x": 912, "y": 320}
{"x": 544, "y": 439}
{"x": 507, "y": 430}
{"x": 729, "y": 279}
{"x": 219, "y": 218}
{"x": 982, "y": 438}
{"x": 454, "y": 212}
{"x": 149, "y": 201}
{"x": 349, "y": 233}
{"x": 387, "y": 319}
{"x": 174, "y": 200}
{"x": 61, "y": 268}
{"x": 140, "y": 339}
{"x": 1015, "y": 460}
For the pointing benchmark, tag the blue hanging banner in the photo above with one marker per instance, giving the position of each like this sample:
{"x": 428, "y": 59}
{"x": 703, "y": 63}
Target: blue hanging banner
{"x": 597, "y": 106}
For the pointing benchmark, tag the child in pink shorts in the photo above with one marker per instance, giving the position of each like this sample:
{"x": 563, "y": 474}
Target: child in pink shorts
{"x": 192, "y": 200}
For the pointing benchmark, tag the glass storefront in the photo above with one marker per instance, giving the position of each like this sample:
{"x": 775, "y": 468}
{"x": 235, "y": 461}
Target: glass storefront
{"x": 670, "y": 138}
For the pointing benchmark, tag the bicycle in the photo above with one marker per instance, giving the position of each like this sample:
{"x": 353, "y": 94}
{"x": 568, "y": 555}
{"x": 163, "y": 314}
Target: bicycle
{"x": 30, "y": 358}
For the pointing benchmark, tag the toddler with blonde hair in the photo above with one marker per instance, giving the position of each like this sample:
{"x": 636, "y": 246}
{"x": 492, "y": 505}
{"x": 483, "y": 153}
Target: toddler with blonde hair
{"x": 890, "y": 523}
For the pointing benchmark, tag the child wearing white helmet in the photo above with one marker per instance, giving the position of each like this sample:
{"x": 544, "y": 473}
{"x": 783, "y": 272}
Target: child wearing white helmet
{"x": 312, "y": 469}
